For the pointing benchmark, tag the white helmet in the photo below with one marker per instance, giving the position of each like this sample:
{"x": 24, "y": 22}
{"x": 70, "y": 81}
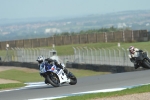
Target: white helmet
{"x": 131, "y": 49}
{"x": 40, "y": 59}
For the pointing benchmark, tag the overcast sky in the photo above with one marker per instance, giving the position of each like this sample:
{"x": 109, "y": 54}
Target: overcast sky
{"x": 65, "y": 8}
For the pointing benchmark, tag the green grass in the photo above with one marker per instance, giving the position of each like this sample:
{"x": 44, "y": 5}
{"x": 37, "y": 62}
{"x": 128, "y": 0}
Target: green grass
{"x": 140, "y": 89}
{"x": 23, "y": 76}
{"x": 68, "y": 49}
{"x": 20, "y": 76}
{"x": 11, "y": 85}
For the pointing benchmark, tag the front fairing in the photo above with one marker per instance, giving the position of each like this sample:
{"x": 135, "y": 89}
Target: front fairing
{"x": 44, "y": 67}
{"x": 60, "y": 73}
{"x": 52, "y": 68}
{"x": 141, "y": 56}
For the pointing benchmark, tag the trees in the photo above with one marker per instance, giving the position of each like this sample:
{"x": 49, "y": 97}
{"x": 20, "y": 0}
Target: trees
{"x": 91, "y": 31}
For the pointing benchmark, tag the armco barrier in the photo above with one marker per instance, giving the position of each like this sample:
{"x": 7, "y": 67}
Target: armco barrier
{"x": 102, "y": 68}
{"x": 20, "y": 64}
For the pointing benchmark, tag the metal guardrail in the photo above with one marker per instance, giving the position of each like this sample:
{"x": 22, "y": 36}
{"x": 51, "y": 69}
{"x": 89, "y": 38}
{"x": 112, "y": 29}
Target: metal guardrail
{"x": 103, "y": 56}
{"x": 26, "y": 54}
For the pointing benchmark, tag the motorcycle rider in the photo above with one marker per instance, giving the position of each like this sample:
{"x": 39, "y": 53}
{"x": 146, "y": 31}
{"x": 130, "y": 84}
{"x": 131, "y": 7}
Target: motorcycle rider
{"x": 41, "y": 63}
{"x": 58, "y": 62}
{"x": 134, "y": 53}
{"x": 52, "y": 60}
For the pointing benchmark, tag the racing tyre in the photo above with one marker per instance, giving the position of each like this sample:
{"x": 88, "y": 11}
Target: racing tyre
{"x": 73, "y": 79}
{"x": 53, "y": 79}
{"x": 146, "y": 64}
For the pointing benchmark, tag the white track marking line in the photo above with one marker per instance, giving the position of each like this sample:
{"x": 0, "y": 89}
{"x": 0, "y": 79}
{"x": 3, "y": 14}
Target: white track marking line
{"x": 87, "y": 92}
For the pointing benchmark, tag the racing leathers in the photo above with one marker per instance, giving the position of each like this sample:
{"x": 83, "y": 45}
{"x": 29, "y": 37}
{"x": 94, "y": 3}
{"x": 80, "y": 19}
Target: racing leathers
{"x": 58, "y": 62}
{"x": 133, "y": 57}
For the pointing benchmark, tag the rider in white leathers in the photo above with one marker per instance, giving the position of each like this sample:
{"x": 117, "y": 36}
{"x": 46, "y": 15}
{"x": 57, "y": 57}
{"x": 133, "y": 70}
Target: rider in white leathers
{"x": 58, "y": 62}
{"x": 134, "y": 53}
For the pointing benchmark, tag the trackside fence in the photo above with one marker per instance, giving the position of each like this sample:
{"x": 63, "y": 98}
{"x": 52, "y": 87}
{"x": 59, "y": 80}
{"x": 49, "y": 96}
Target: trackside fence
{"x": 26, "y": 54}
{"x": 84, "y": 55}
{"x": 103, "y": 56}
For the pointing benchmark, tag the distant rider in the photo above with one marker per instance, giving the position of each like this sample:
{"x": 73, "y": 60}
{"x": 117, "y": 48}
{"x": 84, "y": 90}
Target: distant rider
{"x": 134, "y": 53}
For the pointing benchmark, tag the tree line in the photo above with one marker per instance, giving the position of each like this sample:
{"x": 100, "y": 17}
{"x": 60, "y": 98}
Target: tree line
{"x": 91, "y": 31}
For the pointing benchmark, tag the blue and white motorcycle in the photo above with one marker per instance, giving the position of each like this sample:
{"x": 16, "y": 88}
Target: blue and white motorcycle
{"x": 56, "y": 76}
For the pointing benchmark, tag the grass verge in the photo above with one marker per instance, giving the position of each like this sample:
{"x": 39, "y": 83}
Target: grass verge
{"x": 24, "y": 76}
{"x": 68, "y": 49}
{"x": 11, "y": 85}
{"x": 140, "y": 89}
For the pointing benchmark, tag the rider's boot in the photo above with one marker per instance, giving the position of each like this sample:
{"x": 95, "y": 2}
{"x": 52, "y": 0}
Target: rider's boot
{"x": 66, "y": 71}
{"x": 46, "y": 82}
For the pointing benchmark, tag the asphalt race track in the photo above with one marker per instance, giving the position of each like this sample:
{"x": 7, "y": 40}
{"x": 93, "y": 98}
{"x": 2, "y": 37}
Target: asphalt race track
{"x": 92, "y": 83}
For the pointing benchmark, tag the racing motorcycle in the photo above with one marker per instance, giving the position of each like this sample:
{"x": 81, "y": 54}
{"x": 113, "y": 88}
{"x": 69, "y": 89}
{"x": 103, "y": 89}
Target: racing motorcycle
{"x": 56, "y": 76}
{"x": 142, "y": 60}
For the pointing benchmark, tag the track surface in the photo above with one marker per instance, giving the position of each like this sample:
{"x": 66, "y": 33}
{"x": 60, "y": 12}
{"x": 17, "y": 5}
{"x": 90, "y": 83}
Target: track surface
{"x": 118, "y": 80}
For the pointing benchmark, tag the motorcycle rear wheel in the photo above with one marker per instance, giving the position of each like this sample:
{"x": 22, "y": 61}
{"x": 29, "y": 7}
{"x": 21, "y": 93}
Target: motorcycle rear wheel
{"x": 53, "y": 79}
{"x": 73, "y": 79}
{"x": 146, "y": 64}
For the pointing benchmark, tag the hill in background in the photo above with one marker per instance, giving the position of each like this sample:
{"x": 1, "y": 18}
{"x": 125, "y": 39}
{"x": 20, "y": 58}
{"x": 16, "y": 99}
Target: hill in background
{"x": 14, "y": 29}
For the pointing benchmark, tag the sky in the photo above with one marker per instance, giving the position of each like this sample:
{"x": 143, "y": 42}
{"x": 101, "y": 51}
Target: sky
{"x": 10, "y": 9}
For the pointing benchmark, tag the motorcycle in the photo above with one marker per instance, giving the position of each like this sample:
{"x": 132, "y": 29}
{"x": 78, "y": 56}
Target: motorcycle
{"x": 142, "y": 60}
{"x": 56, "y": 76}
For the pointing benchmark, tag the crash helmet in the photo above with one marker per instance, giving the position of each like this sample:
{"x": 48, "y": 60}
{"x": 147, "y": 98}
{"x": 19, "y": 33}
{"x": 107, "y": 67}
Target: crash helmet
{"x": 131, "y": 49}
{"x": 40, "y": 59}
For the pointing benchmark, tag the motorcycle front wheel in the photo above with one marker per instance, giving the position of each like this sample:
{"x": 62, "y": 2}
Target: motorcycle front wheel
{"x": 73, "y": 79}
{"x": 146, "y": 64}
{"x": 53, "y": 79}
